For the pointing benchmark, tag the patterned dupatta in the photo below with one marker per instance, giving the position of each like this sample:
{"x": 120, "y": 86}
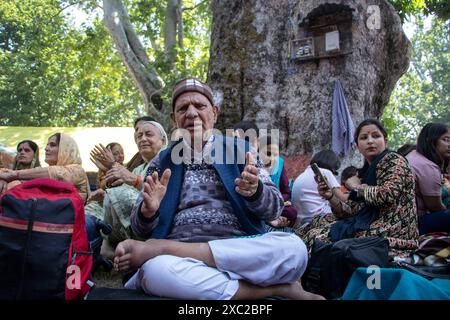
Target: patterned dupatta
{"x": 348, "y": 227}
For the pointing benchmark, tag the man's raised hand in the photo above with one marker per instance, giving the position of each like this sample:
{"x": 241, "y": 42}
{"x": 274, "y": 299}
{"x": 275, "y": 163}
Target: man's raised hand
{"x": 248, "y": 183}
{"x": 154, "y": 192}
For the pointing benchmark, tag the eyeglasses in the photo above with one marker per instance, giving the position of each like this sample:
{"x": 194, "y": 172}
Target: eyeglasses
{"x": 446, "y": 140}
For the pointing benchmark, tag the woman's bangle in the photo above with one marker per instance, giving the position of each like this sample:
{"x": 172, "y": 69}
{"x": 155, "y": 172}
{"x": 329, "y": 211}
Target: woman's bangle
{"x": 137, "y": 182}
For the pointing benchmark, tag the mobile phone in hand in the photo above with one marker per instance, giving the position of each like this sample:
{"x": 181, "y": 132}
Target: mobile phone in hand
{"x": 319, "y": 175}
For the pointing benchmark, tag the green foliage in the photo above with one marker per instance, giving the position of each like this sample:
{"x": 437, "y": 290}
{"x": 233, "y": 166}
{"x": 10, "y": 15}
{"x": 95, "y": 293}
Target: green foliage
{"x": 405, "y": 8}
{"x": 192, "y": 58}
{"x": 441, "y": 8}
{"x": 55, "y": 74}
{"x": 423, "y": 94}
{"x": 408, "y": 8}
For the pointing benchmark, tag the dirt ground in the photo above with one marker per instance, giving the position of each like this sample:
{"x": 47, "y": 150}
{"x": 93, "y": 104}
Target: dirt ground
{"x": 105, "y": 279}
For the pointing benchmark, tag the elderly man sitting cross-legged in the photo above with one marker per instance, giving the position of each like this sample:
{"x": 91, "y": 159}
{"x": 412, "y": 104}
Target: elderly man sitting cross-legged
{"x": 204, "y": 203}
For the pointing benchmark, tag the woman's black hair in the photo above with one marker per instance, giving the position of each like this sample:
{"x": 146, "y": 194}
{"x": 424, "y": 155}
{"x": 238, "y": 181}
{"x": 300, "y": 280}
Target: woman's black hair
{"x": 327, "y": 159}
{"x": 246, "y": 125}
{"x": 32, "y": 145}
{"x": 405, "y": 149}
{"x": 369, "y": 122}
{"x": 427, "y": 140}
{"x": 58, "y": 137}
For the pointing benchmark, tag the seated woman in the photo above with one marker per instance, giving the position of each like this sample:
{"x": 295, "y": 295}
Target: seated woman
{"x": 115, "y": 154}
{"x": 274, "y": 164}
{"x": 27, "y": 155}
{"x": 445, "y": 188}
{"x": 381, "y": 200}
{"x": 63, "y": 157}
{"x": 123, "y": 186}
{"x": 137, "y": 160}
{"x": 428, "y": 162}
{"x": 305, "y": 196}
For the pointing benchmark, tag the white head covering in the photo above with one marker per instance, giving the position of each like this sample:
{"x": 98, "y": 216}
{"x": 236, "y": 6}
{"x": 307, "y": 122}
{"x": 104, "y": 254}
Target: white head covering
{"x": 162, "y": 133}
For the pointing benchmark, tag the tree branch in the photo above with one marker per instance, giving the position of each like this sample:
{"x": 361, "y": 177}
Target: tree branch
{"x": 62, "y": 9}
{"x": 72, "y": 4}
{"x": 133, "y": 54}
{"x": 194, "y": 7}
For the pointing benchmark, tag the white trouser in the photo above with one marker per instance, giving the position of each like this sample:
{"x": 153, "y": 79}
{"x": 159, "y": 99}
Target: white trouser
{"x": 263, "y": 260}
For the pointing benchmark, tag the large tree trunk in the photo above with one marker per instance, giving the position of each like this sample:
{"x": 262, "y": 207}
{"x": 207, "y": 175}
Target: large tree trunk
{"x": 134, "y": 56}
{"x": 250, "y": 64}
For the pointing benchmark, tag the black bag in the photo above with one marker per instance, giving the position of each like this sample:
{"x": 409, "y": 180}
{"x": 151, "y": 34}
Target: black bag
{"x": 428, "y": 272}
{"x": 431, "y": 259}
{"x": 332, "y": 264}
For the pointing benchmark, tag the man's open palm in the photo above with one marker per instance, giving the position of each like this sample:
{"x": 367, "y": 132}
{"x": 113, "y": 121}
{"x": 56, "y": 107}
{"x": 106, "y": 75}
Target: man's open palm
{"x": 154, "y": 192}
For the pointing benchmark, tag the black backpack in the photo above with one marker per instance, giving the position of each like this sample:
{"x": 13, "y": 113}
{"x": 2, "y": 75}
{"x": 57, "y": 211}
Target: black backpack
{"x": 332, "y": 264}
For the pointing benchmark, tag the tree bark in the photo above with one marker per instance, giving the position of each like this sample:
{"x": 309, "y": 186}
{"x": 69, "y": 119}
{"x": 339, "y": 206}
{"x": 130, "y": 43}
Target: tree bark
{"x": 251, "y": 66}
{"x": 180, "y": 33}
{"x": 134, "y": 56}
{"x": 170, "y": 29}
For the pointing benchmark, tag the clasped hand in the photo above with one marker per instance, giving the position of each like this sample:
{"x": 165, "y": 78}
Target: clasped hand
{"x": 118, "y": 176}
{"x": 102, "y": 157}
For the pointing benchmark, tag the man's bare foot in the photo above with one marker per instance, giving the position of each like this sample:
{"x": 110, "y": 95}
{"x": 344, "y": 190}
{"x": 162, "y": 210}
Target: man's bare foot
{"x": 295, "y": 291}
{"x": 132, "y": 254}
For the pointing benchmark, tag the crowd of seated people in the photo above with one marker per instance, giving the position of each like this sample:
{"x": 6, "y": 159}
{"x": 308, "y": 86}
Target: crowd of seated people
{"x": 181, "y": 228}
{"x": 64, "y": 164}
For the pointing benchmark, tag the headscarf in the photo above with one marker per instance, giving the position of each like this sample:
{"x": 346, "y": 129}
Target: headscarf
{"x": 34, "y": 163}
{"x": 162, "y": 133}
{"x": 137, "y": 159}
{"x": 68, "y": 152}
{"x": 68, "y": 166}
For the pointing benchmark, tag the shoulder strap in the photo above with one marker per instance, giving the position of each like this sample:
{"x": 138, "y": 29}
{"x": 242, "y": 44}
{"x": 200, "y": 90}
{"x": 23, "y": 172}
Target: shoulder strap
{"x": 423, "y": 273}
